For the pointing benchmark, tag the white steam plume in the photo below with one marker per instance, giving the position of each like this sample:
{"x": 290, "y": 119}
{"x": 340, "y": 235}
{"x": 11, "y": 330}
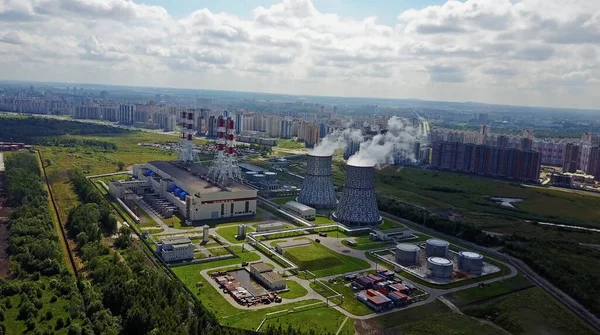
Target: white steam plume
{"x": 380, "y": 150}
{"x": 336, "y": 140}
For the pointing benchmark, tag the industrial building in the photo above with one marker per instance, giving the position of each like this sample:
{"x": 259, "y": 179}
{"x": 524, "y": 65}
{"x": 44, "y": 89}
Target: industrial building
{"x": 390, "y": 234}
{"x": 301, "y": 210}
{"x": 269, "y": 227}
{"x": 358, "y": 204}
{"x": 317, "y": 189}
{"x": 193, "y": 195}
{"x": 175, "y": 249}
{"x": 440, "y": 267}
{"x": 471, "y": 262}
{"x": 280, "y": 247}
{"x": 266, "y": 276}
{"x": 407, "y": 254}
{"x": 436, "y": 248}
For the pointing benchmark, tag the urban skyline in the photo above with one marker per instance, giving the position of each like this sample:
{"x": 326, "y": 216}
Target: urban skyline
{"x": 485, "y": 51}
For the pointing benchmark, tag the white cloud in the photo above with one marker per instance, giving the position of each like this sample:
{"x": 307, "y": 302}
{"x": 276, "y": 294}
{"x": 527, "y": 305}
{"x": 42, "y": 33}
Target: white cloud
{"x": 439, "y": 52}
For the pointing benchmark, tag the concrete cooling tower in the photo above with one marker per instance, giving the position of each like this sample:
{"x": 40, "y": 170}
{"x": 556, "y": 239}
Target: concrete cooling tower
{"x": 317, "y": 189}
{"x": 358, "y": 205}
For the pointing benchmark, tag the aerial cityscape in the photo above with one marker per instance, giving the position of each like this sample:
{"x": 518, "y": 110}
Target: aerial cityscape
{"x": 299, "y": 167}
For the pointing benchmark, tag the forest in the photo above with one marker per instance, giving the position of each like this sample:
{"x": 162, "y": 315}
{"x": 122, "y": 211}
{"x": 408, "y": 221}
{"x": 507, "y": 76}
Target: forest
{"x": 30, "y": 130}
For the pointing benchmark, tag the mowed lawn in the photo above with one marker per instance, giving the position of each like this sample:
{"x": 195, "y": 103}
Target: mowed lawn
{"x": 321, "y": 318}
{"x": 447, "y": 190}
{"x": 323, "y": 261}
{"x": 229, "y": 233}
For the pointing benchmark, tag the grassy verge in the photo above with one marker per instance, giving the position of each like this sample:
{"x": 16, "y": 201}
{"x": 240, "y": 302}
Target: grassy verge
{"x": 495, "y": 289}
{"x": 295, "y": 290}
{"x": 350, "y": 304}
{"x": 532, "y": 311}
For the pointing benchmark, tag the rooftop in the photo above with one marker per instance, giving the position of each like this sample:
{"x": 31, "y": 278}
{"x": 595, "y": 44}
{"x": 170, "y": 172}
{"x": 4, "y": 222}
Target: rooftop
{"x": 261, "y": 267}
{"x": 250, "y": 167}
{"x": 272, "y": 276}
{"x": 299, "y": 206}
{"x": 176, "y": 240}
{"x": 192, "y": 179}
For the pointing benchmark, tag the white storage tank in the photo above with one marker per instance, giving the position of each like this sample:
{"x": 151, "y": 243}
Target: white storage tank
{"x": 436, "y": 248}
{"x": 440, "y": 267}
{"x": 205, "y": 234}
{"x": 407, "y": 254}
{"x": 470, "y": 261}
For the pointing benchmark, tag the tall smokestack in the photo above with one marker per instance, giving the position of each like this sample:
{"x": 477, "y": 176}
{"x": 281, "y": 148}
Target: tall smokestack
{"x": 358, "y": 204}
{"x": 317, "y": 189}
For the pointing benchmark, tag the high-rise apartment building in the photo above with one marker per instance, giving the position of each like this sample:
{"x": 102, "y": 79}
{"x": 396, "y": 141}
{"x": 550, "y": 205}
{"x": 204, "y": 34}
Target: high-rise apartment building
{"x": 311, "y": 135}
{"x": 239, "y": 123}
{"x": 572, "y": 158}
{"x": 126, "y": 114}
{"x": 486, "y": 160}
{"x": 351, "y": 149}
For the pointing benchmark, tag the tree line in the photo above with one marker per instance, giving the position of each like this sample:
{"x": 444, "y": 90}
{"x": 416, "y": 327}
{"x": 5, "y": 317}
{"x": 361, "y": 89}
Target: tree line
{"x": 31, "y": 129}
{"x": 453, "y": 228}
{"x": 134, "y": 296}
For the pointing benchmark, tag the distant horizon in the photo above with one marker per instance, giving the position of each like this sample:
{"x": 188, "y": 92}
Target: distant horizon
{"x": 498, "y": 52}
{"x": 69, "y": 84}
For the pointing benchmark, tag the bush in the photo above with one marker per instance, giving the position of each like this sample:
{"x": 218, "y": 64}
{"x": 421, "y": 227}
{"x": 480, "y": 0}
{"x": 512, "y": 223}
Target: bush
{"x": 53, "y": 299}
{"x": 27, "y": 311}
{"x": 60, "y": 324}
{"x": 49, "y": 315}
{"x": 74, "y": 329}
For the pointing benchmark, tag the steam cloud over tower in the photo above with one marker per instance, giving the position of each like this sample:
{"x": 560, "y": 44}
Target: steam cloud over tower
{"x": 358, "y": 205}
{"x": 317, "y": 188}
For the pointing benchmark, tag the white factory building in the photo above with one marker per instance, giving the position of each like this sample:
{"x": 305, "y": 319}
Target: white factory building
{"x": 301, "y": 210}
{"x": 265, "y": 275}
{"x": 186, "y": 188}
{"x": 175, "y": 249}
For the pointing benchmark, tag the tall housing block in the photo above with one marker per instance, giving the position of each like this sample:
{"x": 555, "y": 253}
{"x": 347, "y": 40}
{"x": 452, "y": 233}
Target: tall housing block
{"x": 317, "y": 188}
{"x": 358, "y": 204}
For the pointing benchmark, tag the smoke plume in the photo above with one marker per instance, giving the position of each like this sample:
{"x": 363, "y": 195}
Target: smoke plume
{"x": 380, "y": 150}
{"x": 336, "y": 140}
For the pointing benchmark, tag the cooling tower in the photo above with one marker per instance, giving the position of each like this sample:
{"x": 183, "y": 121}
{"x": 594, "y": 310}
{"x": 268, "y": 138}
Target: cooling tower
{"x": 358, "y": 205}
{"x": 317, "y": 189}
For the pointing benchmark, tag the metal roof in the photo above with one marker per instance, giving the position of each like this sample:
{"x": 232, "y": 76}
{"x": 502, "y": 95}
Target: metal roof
{"x": 299, "y": 206}
{"x": 439, "y": 261}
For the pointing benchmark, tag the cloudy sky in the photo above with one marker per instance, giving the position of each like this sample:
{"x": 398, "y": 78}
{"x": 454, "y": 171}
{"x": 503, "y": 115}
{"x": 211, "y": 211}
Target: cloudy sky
{"x": 529, "y": 52}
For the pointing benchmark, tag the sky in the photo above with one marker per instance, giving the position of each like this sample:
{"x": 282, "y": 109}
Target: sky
{"x": 519, "y": 52}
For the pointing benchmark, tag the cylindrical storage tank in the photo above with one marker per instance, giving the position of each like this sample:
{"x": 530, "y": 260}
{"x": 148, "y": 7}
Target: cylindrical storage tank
{"x": 241, "y": 232}
{"x": 317, "y": 188}
{"x": 471, "y": 262}
{"x": 205, "y": 234}
{"x": 358, "y": 204}
{"x": 436, "y": 248}
{"x": 440, "y": 267}
{"x": 407, "y": 254}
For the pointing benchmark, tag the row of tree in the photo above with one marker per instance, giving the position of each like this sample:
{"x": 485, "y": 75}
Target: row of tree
{"x": 73, "y": 142}
{"x": 33, "y": 129}
{"x": 98, "y": 213}
{"x": 454, "y": 228}
{"x": 33, "y": 243}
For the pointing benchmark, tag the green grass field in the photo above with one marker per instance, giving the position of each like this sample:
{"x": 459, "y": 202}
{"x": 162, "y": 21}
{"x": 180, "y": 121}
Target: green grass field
{"x": 532, "y": 311}
{"x": 322, "y": 220}
{"x": 350, "y": 304}
{"x": 281, "y": 201}
{"x": 469, "y": 194}
{"x": 229, "y": 233}
{"x": 322, "y": 318}
{"x": 296, "y": 290}
{"x": 289, "y": 144}
{"x": 389, "y": 224}
{"x": 495, "y": 289}
{"x": 364, "y": 243}
{"x": 322, "y": 261}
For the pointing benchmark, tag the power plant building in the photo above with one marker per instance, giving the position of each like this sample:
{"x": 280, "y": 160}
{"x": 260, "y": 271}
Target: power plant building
{"x": 317, "y": 189}
{"x": 195, "y": 197}
{"x": 358, "y": 204}
{"x": 175, "y": 249}
{"x": 301, "y": 210}
{"x": 266, "y": 276}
